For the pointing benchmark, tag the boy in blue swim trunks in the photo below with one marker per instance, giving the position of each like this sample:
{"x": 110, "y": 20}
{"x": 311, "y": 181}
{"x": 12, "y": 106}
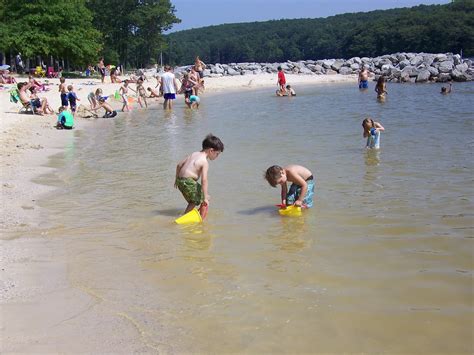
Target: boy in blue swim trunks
{"x": 364, "y": 78}
{"x": 63, "y": 91}
{"x": 302, "y": 188}
{"x": 193, "y": 167}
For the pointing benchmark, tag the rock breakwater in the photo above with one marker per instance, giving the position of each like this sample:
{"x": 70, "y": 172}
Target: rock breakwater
{"x": 398, "y": 67}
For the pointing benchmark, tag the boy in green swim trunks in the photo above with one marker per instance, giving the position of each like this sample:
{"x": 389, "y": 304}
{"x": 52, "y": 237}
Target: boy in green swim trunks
{"x": 193, "y": 167}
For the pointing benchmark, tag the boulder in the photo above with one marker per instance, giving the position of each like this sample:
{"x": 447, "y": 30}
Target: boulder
{"x": 460, "y": 76}
{"x": 457, "y": 59}
{"x": 404, "y": 63}
{"x": 355, "y": 66}
{"x": 305, "y": 71}
{"x": 232, "y": 71}
{"x": 440, "y": 57}
{"x": 433, "y": 71}
{"x": 423, "y": 76}
{"x": 462, "y": 67}
{"x": 330, "y": 72}
{"x": 416, "y": 61}
{"x": 328, "y": 63}
{"x": 345, "y": 71}
{"x": 445, "y": 66}
{"x": 356, "y": 60}
{"x": 337, "y": 64}
{"x": 366, "y": 60}
{"x": 443, "y": 77}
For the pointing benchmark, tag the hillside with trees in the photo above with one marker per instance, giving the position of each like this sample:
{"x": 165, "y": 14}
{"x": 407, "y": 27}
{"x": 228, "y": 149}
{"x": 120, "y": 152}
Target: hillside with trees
{"x": 433, "y": 29}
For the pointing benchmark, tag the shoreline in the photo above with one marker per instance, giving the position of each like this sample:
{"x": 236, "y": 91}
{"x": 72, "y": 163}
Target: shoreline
{"x": 29, "y": 140}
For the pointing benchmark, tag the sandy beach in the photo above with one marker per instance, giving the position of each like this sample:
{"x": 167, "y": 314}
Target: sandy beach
{"x": 35, "y": 293}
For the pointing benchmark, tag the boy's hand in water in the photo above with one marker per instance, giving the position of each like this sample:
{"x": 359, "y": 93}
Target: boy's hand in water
{"x": 298, "y": 203}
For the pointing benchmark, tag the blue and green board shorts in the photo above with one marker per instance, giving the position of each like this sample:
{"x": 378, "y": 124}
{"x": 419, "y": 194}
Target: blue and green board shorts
{"x": 191, "y": 190}
{"x": 295, "y": 191}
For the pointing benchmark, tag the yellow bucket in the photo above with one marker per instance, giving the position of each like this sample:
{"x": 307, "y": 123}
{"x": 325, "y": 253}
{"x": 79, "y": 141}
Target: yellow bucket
{"x": 192, "y": 216}
{"x": 292, "y": 211}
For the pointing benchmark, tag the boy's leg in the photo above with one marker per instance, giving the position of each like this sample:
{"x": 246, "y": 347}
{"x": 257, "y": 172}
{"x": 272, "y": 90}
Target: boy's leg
{"x": 190, "y": 207}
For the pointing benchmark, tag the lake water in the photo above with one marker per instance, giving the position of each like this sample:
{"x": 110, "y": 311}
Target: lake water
{"x": 382, "y": 263}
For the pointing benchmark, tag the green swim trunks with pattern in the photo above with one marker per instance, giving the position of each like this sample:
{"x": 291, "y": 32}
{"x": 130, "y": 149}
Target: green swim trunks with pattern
{"x": 191, "y": 190}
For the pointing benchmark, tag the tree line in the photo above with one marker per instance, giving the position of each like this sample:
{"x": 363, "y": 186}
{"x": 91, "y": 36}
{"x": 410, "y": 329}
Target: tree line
{"x": 77, "y": 32}
{"x": 432, "y": 28}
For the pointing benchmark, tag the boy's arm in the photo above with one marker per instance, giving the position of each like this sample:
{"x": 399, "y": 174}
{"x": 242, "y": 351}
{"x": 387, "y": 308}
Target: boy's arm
{"x": 204, "y": 170}
{"x": 284, "y": 190}
{"x": 379, "y": 127}
{"x": 178, "y": 168}
{"x": 304, "y": 188}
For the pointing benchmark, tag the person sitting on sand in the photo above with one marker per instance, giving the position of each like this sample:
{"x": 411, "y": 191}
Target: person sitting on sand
{"x": 447, "y": 90}
{"x": 35, "y": 83}
{"x": 39, "y": 106}
{"x": 6, "y": 78}
{"x": 302, "y": 188}
{"x": 109, "y": 111}
{"x": 153, "y": 93}
{"x": 65, "y": 119}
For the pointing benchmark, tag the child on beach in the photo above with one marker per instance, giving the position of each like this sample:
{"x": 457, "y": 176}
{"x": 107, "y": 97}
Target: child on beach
{"x": 109, "y": 111}
{"x": 141, "y": 93}
{"x": 281, "y": 81}
{"x": 193, "y": 167}
{"x": 153, "y": 93}
{"x": 302, "y": 188}
{"x": 65, "y": 119}
{"x": 94, "y": 98}
{"x": 447, "y": 90}
{"x": 169, "y": 87}
{"x": 363, "y": 78}
{"x": 63, "y": 92}
{"x": 124, "y": 93}
{"x": 72, "y": 97}
{"x": 381, "y": 88}
{"x": 192, "y": 101}
{"x": 372, "y": 131}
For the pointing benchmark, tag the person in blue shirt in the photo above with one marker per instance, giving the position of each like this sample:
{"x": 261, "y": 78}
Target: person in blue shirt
{"x": 72, "y": 97}
{"x": 65, "y": 119}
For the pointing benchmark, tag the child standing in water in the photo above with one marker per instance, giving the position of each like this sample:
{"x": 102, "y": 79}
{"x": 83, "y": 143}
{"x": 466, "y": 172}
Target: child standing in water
{"x": 372, "y": 131}
{"x": 281, "y": 81}
{"x": 193, "y": 167}
{"x": 302, "y": 188}
{"x": 141, "y": 93}
{"x": 381, "y": 88}
{"x": 124, "y": 93}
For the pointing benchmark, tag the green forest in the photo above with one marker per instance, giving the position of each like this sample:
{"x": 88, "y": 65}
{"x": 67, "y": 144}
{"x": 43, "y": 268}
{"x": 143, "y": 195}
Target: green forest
{"x": 431, "y": 29}
{"x": 131, "y": 33}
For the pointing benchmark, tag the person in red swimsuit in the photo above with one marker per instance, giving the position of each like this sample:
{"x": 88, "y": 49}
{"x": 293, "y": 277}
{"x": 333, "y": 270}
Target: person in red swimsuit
{"x": 281, "y": 81}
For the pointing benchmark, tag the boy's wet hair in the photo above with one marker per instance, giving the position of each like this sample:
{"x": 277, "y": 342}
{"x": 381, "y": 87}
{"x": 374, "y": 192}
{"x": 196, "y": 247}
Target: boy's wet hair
{"x": 62, "y": 79}
{"x": 288, "y": 86}
{"x": 213, "y": 142}
{"x": 272, "y": 174}
{"x": 279, "y": 68}
{"x": 69, "y": 87}
{"x": 444, "y": 89}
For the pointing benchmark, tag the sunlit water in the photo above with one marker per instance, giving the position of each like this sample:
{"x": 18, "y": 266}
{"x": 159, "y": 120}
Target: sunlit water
{"x": 382, "y": 263}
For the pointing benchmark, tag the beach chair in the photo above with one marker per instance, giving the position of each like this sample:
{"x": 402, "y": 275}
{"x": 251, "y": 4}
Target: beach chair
{"x": 25, "y": 107}
{"x": 51, "y": 73}
{"x": 39, "y": 71}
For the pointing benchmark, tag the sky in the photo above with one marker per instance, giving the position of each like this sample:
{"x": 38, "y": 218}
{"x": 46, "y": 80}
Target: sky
{"x": 200, "y": 13}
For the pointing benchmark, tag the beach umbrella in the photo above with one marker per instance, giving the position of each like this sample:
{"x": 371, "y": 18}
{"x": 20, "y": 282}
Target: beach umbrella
{"x": 4, "y": 67}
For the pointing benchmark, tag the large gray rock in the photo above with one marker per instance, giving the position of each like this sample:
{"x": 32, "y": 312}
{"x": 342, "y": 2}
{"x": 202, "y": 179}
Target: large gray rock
{"x": 366, "y": 60}
{"x": 345, "y": 71}
{"x": 338, "y": 63}
{"x": 457, "y": 59}
{"x": 445, "y": 66}
{"x": 433, "y": 71}
{"x": 328, "y": 63}
{"x": 416, "y": 61}
{"x": 355, "y": 66}
{"x": 423, "y": 76}
{"x": 440, "y": 57}
{"x": 443, "y": 77}
{"x": 232, "y": 71}
{"x": 404, "y": 63}
{"x": 305, "y": 71}
{"x": 401, "y": 57}
{"x": 460, "y": 76}
{"x": 394, "y": 72}
{"x": 462, "y": 67}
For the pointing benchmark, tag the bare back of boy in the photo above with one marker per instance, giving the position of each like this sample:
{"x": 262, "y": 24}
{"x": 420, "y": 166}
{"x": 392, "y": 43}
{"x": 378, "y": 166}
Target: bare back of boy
{"x": 297, "y": 173}
{"x": 192, "y": 166}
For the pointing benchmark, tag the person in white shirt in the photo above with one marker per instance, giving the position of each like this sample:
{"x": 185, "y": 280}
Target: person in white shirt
{"x": 169, "y": 86}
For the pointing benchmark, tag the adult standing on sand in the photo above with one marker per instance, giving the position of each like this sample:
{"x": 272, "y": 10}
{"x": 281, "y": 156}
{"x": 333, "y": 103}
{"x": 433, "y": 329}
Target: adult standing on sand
{"x": 101, "y": 68}
{"x": 169, "y": 85}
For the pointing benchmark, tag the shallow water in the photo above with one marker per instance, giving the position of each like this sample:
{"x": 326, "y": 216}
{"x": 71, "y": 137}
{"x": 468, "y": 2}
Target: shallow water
{"x": 383, "y": 263}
